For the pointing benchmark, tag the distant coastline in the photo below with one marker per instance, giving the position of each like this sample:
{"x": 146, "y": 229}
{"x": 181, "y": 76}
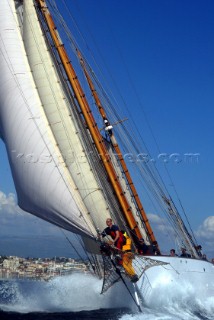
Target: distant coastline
{"x": 13, "y": 267}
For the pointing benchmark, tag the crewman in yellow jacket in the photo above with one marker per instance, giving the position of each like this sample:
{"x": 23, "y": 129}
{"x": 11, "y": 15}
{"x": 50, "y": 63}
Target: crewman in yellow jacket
{"x": 127, "y": 258}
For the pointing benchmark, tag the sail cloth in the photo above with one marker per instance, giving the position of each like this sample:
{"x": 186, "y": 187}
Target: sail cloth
{"x": 60, "y": 117}
{"x": 43, "y": 183}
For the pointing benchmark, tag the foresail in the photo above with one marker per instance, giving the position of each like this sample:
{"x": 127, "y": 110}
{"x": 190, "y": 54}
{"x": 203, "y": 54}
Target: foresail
{"x": 43, "y": 183}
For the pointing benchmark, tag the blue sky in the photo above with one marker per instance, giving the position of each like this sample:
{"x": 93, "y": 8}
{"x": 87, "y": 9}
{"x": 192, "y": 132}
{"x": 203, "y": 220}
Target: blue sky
{"x": 160, "y": 55}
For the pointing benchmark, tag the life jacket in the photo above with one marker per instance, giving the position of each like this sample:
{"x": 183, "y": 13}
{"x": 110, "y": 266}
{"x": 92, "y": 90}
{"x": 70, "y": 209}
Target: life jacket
{"x": 121, "y": 241}
{"x": 123, "y": 236}
{"x": 127, "y": 246}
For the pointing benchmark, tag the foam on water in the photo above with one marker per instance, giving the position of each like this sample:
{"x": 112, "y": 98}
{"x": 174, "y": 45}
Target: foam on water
{"x": 177, "y": 301}
{"x": 76, "y": 292}
{"x": 79, "y": 292}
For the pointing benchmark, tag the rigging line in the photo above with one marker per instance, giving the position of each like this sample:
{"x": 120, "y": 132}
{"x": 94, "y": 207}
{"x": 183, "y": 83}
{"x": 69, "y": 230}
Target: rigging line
{"x": 70, "y": 37}
{"x": 136, "y": 147}
{"x": 83, "y": 38}
{"x": 160, "y": 188}
{"x": 149, "y": 187}
{"x": 161, "y": 202}
{"x": 93, "y": 256}
{"x": 148, "y": 176}
{"x": 192, "y": 232}
{"x": 97, "y": 268}
{"x": 72, "y": 245}
{"x": 123, "y": 142}
{"x": 69, "y": 12}
{"x": 133, "y": 145}
{"x": 175, "y": 193}
{"x": 184, "y": 212}
{"x": 72, "y": 18}
{"x": 151, "y": 131}
{"x": 128, "y": 187}
{"x": 105, "y": 95}
{"x": 162, "y": 206}
{"x": 67, "y": 31}
{"x": 63, "y": 26}
{"x": 179, "y": 221}
{"x": 82, "y": 245}
{"x": 137, "y": 95}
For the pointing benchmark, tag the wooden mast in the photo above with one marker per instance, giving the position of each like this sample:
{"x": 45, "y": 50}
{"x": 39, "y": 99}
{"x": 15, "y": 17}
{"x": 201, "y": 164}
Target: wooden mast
{"x": 90, "y": 121}
{"x": 118, "y": 151}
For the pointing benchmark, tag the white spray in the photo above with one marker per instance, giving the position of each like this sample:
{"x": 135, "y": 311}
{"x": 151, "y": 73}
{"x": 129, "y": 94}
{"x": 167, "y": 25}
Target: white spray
{"x": 76, "y": 292}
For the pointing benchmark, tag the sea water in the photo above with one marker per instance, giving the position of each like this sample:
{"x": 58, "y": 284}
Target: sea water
{"x": 78, "y": 297}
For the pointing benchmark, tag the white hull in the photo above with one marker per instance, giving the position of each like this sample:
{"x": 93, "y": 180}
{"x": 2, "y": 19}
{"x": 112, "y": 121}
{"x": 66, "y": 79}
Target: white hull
{"x": 159, "y": 283}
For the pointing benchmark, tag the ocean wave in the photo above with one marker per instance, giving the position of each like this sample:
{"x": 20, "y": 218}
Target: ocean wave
{"x": 76, "y": 292}
{"x": 79, "y": 292}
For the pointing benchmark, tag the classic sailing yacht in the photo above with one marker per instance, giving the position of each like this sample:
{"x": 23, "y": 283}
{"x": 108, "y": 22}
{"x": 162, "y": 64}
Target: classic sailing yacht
{"x": 65, "y": 150}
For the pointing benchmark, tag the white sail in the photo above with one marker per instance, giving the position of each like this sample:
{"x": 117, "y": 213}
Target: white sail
{"x": 60, "y": 118}
{"x": 43, "y": 183}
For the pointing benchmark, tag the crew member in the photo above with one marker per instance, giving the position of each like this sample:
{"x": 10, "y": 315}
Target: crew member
{"x": 116, "y": 235}
{"x": 172, "y": 253}
{"x": 127, "y": 257}
{"x": 142, "y": 247}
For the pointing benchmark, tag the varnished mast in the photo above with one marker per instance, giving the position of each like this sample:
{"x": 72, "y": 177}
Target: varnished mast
{"x": 149, "y": 231}
{"x": 90, "y": 121}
